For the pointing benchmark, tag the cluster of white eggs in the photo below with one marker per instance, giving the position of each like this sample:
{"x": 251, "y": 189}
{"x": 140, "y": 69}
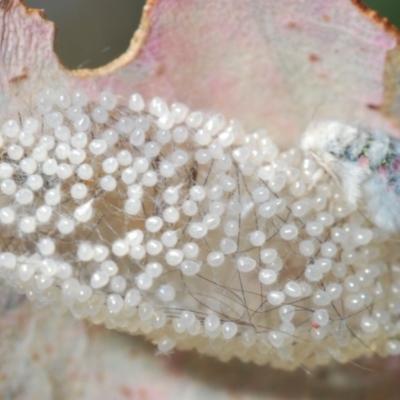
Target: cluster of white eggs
{"x": 176, "y": 224}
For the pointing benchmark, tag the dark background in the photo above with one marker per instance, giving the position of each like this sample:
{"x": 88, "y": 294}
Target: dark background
{"x": 91, "y": 33}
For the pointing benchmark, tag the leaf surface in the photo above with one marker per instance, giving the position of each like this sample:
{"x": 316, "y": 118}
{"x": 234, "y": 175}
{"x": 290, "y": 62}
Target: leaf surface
{"x": 268, "y": 64}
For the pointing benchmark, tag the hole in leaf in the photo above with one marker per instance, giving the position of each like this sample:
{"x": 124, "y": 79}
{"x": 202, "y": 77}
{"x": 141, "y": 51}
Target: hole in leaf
{"x": 91, "y": 33}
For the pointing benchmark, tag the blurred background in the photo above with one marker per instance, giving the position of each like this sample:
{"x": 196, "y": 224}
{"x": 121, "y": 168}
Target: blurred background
{"x": 387, "y": 8}
{"x": 91, "y": 33}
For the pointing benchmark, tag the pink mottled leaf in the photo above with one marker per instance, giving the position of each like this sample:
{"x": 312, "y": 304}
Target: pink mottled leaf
{"x": 266, "y": 63}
